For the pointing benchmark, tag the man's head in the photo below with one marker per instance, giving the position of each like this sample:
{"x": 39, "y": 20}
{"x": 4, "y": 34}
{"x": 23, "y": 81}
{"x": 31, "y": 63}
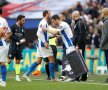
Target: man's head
{"x": 1, "y": 11}
{"x": 75, "y": 15}
{"x": 55, "y": 20}
{"x": 105, "y": 12}
{"x": 47, "y": 14}
{"x": 62, "y": 16}
{"x": 21, "y": 20}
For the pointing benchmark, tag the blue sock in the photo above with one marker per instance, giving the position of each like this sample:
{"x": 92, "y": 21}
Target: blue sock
{"x": 3, "y": 72}
{"x": 32, "y": 67}
{"x": 51, "y": 69}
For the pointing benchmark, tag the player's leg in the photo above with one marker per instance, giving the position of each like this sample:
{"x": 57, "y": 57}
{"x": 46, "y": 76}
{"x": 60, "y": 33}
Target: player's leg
{"x": 18, "y": 57}
{"x": 11, "y": 55}
{"x": 37, "y": 72}
{"x": 51, "y": 67}
{"x": 47, "y": 68}
{"x": 49, "y": 53}
{"x": 37, "y": 62}
{"x": 3, "y": 74}
{"x": 3, "y": 57}
{"x": 54, "y": 49}
{"x": 32, "y": 67}
{"x": 17, "y": 69}
{"x": 63, "y": 77}
{"x": 8, "y": 63}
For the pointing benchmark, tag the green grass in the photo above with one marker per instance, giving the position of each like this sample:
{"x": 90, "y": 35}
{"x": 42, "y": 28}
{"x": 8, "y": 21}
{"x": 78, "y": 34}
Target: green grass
{"x": 38, "y": 84}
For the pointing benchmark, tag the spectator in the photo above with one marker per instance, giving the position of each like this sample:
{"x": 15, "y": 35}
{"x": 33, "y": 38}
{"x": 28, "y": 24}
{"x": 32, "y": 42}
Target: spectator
{"x": 79, "y": 37}
{"x": 79, "y": 6}
{"x": 93, "y": 12}
{"x": 106, "y": 3}
{"x": 104, "y": 39}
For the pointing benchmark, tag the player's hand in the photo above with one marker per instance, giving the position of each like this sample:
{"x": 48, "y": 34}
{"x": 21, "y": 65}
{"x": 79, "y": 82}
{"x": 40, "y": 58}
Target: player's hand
{"x": 80, "y": 51}
{"x": 77, "y": 48}
{"x": 46, "y": 45}
{"x": 58, "y": 36}
{"x": 22, "y": 40}
{"x": 17, "y": 43}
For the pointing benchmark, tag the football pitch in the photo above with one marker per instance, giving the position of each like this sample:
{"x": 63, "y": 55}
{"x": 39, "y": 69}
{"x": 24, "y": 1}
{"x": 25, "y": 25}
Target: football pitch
{"x": 94, "y": 82}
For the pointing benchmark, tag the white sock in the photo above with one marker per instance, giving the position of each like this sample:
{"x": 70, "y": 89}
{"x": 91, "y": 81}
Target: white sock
{"x": 17, "y": 76}
{"x": 3, "y": 82}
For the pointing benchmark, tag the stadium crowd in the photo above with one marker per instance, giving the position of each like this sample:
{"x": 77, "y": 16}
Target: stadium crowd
{"x": 91, "y": 13}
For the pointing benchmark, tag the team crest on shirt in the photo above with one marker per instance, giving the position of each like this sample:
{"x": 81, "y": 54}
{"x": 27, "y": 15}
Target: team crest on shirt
{"x": 10, "y": 55}
{"x": 22, "y": 30}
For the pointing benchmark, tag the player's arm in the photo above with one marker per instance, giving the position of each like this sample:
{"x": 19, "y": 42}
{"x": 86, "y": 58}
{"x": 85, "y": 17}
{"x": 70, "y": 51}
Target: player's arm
{"x": 52, "y": 30}
{"x": 4, "y": 32}
{"x": 8, "y": 32}
{"x": 42, "y": 36}
{"x": 13, "y": 36}
{"x": 1, "y": 32}
{"x": 8, "y": 35}
{"x": 23, "y": 40}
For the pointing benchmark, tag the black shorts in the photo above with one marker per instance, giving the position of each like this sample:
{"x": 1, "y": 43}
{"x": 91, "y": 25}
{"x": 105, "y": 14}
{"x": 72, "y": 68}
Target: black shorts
{"x": 45, "y": 59}
{"x": 13, "y": 53}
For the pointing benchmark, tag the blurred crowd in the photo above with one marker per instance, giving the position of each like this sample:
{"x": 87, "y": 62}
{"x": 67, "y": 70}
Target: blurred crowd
{"x": 91, "y": 14}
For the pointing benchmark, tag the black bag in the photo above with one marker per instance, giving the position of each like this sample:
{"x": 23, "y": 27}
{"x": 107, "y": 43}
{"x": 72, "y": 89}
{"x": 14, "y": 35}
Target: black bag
{"x": 74, "y": 65}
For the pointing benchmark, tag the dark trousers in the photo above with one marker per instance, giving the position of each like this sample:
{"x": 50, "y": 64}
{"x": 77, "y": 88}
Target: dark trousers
{"x": 64, "y": 54}
{"x": 106, "y": 56}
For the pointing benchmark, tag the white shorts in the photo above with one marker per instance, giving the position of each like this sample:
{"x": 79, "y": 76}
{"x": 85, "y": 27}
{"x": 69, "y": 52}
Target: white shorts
{"x": 43, "y": 52}
{"x": 3, "y": 52}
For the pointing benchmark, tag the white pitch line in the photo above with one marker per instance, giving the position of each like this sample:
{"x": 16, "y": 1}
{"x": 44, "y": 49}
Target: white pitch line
{"x": 78, "y": 82}
{"x": 94, "y": 83}
{"x": 39, "y": 79}
{"x": 90, "y": 80}
{"x": 105, "y": 84}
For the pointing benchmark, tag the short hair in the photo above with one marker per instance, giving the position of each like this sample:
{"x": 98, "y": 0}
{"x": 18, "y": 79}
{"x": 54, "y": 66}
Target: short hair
{"x": 54, "y": 17}
{"x": 45, "y": 12}
{"x": 76, "y": 13}
{"x": 64, "y": 14}
{"x": 20, "y": 17}
{"x": 1, "y": 11}
{"x": 105, "y": 11}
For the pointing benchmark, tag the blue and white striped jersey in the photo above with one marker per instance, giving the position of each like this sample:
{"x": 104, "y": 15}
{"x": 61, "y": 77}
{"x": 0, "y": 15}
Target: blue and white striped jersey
{"x": 42, "y": 35}
{"x": 3, "y": 26}
{"x": 66, "y": 34}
